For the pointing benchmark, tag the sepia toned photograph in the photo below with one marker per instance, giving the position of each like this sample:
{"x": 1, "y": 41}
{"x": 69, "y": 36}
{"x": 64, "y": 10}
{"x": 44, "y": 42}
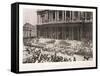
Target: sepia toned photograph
{"x": 57, "y": 36}
{"x": 54, "y": 37}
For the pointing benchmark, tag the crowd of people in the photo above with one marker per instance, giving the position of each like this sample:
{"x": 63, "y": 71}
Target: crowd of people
{"x": 40, "y": 53}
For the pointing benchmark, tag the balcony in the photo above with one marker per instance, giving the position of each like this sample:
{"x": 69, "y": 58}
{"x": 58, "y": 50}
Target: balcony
{"x": 65, "y": 21}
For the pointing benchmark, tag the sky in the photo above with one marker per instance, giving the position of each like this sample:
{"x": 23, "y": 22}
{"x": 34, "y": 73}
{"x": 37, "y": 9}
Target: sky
{"x": 30, "y": 16}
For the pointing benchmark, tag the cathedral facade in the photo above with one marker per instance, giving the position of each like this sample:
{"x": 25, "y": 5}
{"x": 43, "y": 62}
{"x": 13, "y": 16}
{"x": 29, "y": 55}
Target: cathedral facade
{"x": 61, "y": 24}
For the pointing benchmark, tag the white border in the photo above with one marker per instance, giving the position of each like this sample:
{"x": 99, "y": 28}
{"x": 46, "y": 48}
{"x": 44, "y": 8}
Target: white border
{"x": 57, "y": 65}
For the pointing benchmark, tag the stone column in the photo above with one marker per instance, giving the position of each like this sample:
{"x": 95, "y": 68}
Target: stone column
{"x": 57, "y": 15}
{"x": 40, "y": 19}
{"x": 85, "y": 15}
{"x": 72, "y": 15}
{"x": 65, "y": 16}
{"x": 63, "y": 13}
{"x": 69, "y": 32}
{"x": 49, "y": 16}
{"x": 37, "y": 18}
{"x": 78, "y": 16}
{"x": 45, "y": 16}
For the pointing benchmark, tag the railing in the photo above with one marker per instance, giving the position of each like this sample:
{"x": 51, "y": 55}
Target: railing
{"x": 66, "y": 21}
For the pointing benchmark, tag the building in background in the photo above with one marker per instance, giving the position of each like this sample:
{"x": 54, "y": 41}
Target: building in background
{"x": 29, "y": 31}
{"x": 59, "y": 24}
